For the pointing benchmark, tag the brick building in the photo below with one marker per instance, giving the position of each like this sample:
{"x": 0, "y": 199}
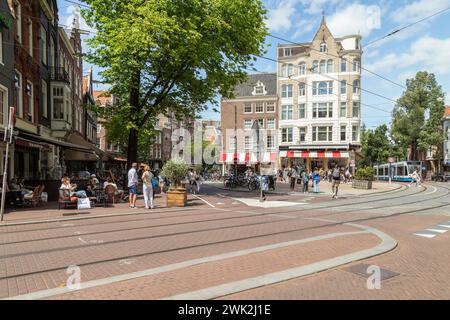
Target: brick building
{"x": 255, "y": 100}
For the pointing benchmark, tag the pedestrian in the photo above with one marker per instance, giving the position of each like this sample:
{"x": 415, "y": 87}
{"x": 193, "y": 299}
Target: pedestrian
{"x": 415, "y": 178}
{"x": 293, "y": 175}
{"x": 316, "y": 179}
{"x": 132, "y": 185}
{"x": 147, "y": 187}
{"x": 264, "y": 182}
{"x": 336, "y": 176}
{"x": 192, "y": 180}
{"x": 286, "y": 172}
{"x": 305, "y": 178}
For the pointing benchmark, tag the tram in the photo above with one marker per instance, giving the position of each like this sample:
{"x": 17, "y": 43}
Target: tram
{"x": 400, "y": 171}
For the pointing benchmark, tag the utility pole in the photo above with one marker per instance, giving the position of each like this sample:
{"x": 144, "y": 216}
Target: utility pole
{"x": 235, "y": 141}
{"x": 8, "y": 140}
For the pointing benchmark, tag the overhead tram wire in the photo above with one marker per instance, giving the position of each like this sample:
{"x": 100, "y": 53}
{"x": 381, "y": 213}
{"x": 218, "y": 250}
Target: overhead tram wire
{"x": 405, "y": 27}
{"x": 77, "y": 3}
{"x": 368, "y": 91}
{"x": 336, "y": 56}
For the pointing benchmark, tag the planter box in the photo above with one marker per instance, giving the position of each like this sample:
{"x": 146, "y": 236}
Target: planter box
{"x": 176, "y": 198}
{"x": 362, "y": 184}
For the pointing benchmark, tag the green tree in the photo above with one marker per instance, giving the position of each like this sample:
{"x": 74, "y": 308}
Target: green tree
{"x": 417, "y": 116}
{"x": 172, "y": 55}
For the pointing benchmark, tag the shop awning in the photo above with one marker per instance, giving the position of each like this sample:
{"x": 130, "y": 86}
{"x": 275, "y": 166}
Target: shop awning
{"x": 245, "y": 158}
{"x": 314, "y": 154}
{"x": 63, "y": 144}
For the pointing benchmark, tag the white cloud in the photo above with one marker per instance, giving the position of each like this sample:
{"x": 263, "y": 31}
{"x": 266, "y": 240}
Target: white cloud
{"x": 314, "y": 7}
{"x": 279, "y": 18}
{"x": 427, "y": 53}
{"x": 302, "y": 27}
{"x": 417, "y": 10}
{"x": 355, "y": 19}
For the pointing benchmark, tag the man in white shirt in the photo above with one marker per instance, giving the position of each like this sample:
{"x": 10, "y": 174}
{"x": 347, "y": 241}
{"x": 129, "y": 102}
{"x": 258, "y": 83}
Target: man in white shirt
{"x": 132, "y": 185}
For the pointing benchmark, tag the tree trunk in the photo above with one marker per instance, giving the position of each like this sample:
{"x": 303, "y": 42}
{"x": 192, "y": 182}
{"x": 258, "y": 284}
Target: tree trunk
{"x": 133, "y": 134}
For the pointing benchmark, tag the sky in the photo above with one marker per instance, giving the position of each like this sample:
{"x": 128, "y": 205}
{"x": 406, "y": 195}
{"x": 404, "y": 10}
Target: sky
{"x": 422, "y": 47}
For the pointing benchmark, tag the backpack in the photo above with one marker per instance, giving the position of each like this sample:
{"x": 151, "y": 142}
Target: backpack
{"x": 336, "y": 174}
{"x": 154, "y": 183}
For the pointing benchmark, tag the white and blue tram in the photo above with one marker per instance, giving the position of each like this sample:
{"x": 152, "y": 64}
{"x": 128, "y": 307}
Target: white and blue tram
{"x": 400, "y": 171}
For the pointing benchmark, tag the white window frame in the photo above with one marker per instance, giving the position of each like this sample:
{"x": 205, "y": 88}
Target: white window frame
{"x": 271, "y": 124}
{"x": 287, "y": 135}
{"x": 330, "y": 66}
{"x": 302, "y": 89}
{"x": 248, "y": 143}
{"x": 248, "y": 105}
{"x": 343, "y": 130}
{"x": 232, "y": 143}
{"x": 302, "y": 68}
{"x": 343, "y": 86}
{"x": 270, "y": 104}
{"x": 19, "y": 106}
{"x": 4, "y": 110}
{"x": 44, "y": 98}
{"x": 300, "y": 107}
{"x": 248, "y": 124}
{"x": 341, "y": 114}
{"x": 30, "y": 97}
{"x": 356, "y": 86}
{"x": 323, "y": 47}
{"x": 343, "y": 65}
{"x": 356, "y": 106}
{"x": 1, "y": 49}
{"x": 260, "y": 104}
{"x": 270, "y": 142}
{"x": 355, "y": 133}
{"x": 288, "y": 110}
{"x": 328, "y": 132}
{"x": 287, "y": 91}
{"x": 288, "y": 52}
{"x": 44, "y": 45}
{"x": 329, "y": 110}
{"x": 302, "y": 131}
{"x": 63, "y": 102}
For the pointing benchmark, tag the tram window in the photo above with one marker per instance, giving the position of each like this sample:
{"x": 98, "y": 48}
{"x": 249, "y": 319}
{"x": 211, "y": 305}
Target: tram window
{"x": 401, "y": 171}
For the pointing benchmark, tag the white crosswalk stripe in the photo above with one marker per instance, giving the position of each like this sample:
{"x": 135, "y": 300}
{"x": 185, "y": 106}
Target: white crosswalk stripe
{"x": 437, "y": 230}
{"x": 426, "y": 235}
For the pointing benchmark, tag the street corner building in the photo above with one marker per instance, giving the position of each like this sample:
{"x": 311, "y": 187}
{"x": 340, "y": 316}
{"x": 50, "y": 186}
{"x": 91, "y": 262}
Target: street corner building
{"x": 254, "y": 100}
{"x": 310, "y": 109}
{"x": 320, "y": 100}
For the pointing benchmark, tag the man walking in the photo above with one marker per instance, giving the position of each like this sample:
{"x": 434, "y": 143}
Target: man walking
{"x": 293, "y": 178}
{"x": 132, "y": 185}
{"x": 336, "y": 181}
{"x": 305, "y": 178}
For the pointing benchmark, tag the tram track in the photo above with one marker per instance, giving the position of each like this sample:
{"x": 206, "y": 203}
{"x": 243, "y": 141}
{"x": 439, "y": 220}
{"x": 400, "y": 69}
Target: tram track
{"x": 229, "y": 240}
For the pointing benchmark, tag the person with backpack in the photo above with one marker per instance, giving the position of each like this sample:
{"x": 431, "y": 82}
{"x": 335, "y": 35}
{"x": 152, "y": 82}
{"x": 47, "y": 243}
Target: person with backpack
{"x": 336, "y": 176}
{"x": 316, "y": 179}
{"x": 305, "y": 178}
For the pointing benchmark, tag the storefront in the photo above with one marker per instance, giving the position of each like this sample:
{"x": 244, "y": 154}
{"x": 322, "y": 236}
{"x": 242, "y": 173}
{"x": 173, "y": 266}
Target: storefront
{"x": 86, "y": 158}
{"x": 242, "y": 161}
{"x": 314, "y": 159}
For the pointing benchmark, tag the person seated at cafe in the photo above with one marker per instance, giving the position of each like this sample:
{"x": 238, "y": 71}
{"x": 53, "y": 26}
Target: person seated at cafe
{"x": 15, "y": 192}
{"x": 66, "y": 185}
{"x": 118, "y": 193}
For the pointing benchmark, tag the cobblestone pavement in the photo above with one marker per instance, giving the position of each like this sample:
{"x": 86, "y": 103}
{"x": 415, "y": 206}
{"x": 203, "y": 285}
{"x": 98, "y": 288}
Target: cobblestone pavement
{"x": 225, "y": 238}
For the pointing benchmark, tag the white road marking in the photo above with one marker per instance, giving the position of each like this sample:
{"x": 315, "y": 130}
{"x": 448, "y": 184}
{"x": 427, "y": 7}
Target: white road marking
{"x": 209, "y": 204}
{"x": 435, "y": 189}
{"x": 220, "y": 203}
{"x": 437, "y": 230}
{"x": 268, "y": 204}
{"x": 235, "y": 203}
{"x": 67, "y": 225}
{"x": 82, "y": 241}
{"x": 444, "y": 225}
{"x": 127, "y": 261}
{"x": 426, "y": 235}
{"x": 79, "y": 232}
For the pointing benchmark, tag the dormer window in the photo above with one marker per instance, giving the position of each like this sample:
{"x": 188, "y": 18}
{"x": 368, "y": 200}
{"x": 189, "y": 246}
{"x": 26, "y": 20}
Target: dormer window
{"x": 287, "y": 52}
{"x": 323, "y": 47}
{"x": 259, "y": 89}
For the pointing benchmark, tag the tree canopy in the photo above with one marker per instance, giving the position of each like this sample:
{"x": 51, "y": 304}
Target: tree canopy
{"x": 164, "y": 56}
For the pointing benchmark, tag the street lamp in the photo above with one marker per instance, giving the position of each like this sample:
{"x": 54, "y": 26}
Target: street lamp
{"x": 256, "y": 129}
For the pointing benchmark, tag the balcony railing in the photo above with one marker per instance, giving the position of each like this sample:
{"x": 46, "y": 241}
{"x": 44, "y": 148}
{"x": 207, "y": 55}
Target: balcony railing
{"x": 59, "y": 74}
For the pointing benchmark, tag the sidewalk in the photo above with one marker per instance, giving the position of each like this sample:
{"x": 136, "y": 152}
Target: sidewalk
{"x": 283, "y": 188}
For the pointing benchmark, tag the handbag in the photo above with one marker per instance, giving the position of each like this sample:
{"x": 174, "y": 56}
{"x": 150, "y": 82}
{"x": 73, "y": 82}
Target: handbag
{"x": 83, "y": 203}
{"x": 155, "y": 183}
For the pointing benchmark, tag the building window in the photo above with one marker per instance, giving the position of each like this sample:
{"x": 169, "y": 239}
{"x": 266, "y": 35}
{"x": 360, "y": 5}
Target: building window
{"x": 270, "y": 142}
{"x": 259, "y": 90}
{"x": 52, "y": 52}
{"x": 30, "y": 37}
{"x": 259, "y": 107}
{"x": 343, "y": 110}
{"x": 355, "y": 86}
{"x": 261, "y": 123}
{"x": 270, "y": 123}
{"x": 248, "y": 108}
{"x": 321, "y": 88}
{"x": 323, "y": 134}
{"x": 18, "y": 16}
{"x": 247, "y": 124}
{"x": 3, "y": 105}
{"x": 356, "y": 109}
{"x": 290, "y": 70}
{"x": 270, "y": 107}
{"x": 302, "y": 134}
{"x": 356, "y": 65}
{"x": 302, "y": 111}
{"x": 343, "y": 87}
{"x": 44, "y": 98}
{"x": 248, "y": 143}
{"x": 315, "y": 67}
{"x": 343, "y": 133}
{"x": 232, "y": 143}
{"x": 322, "y": 66}
{"x": 355, "y": 133}
{"x": 284, "y": 70}
{"x": 330, "y": 66}
{"x": 287, "y": 52}
{"x": 30, "y": 101}
{"x": 343, "y": 65}
{"x": 286, "y": 135}
{"x": 44, "y": 45}
{"x": 286, "y": 91}
{"x": 18, "y": 94}
{"x": 1, "y": 47}
{"x": 323, "y": 110}
{"x": 302, "y": 89}
{"x": 286, "y": 112}
{"x": 302, "y": 68}
{"x": 58, "y": 103}
{"x": 323, "y": 47}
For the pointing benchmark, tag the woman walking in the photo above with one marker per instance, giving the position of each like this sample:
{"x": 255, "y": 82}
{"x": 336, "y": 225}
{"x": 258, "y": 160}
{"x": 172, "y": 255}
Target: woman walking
{"x": 316, "y": 179}
{"x": 147, "y": 177}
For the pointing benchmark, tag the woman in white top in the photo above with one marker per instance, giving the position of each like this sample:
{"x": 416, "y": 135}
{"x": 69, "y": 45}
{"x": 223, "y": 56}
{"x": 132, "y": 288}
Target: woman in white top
{"x": 147, "y": 177}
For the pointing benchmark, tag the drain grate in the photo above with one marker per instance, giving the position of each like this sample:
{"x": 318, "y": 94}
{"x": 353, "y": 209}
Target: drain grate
{"x": 361, "y": 270}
